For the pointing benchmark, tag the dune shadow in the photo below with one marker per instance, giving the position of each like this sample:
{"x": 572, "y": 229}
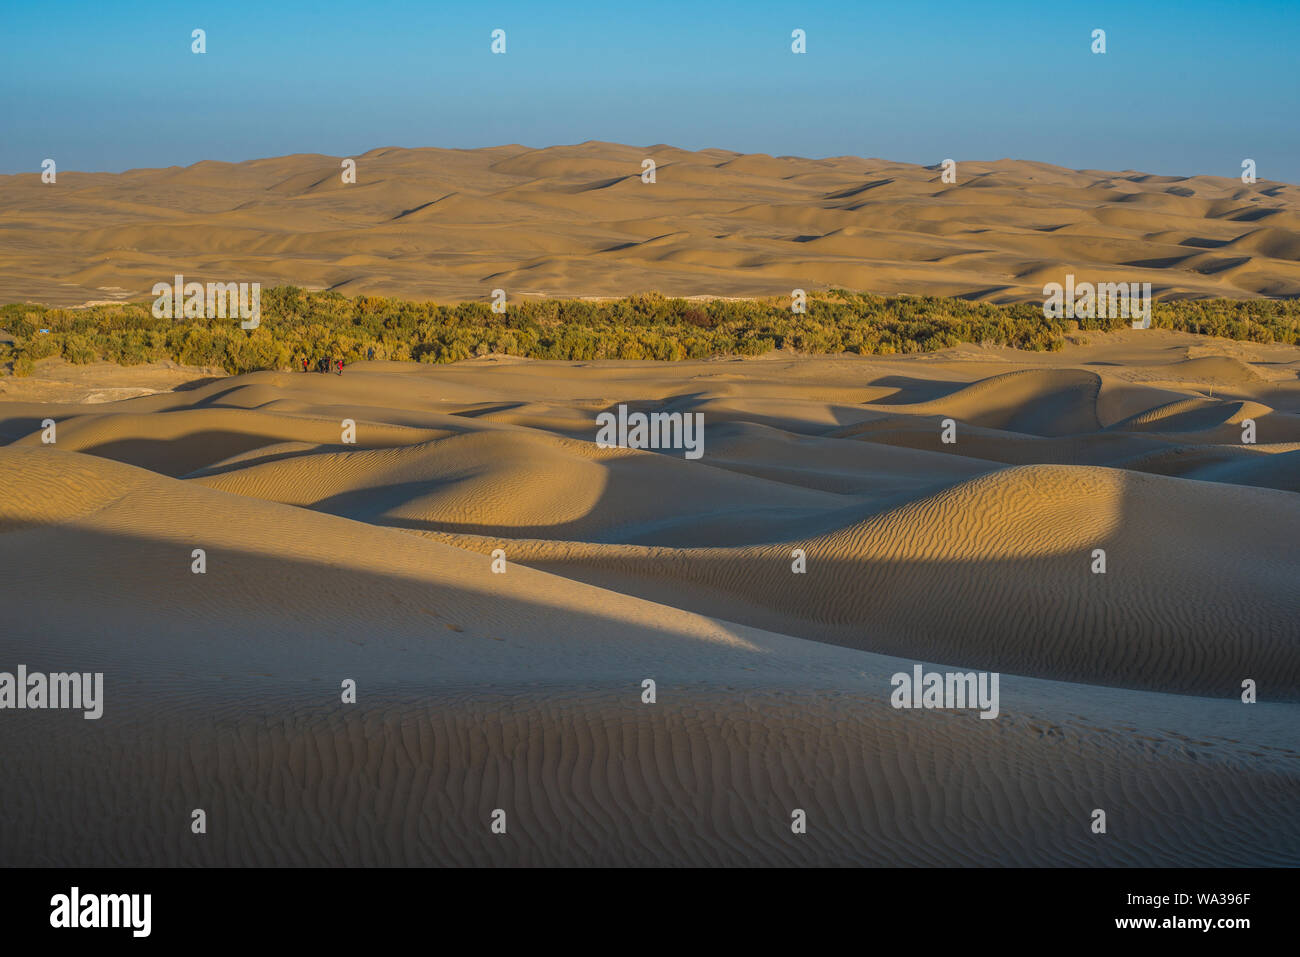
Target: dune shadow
{"x": 175, "y": 458}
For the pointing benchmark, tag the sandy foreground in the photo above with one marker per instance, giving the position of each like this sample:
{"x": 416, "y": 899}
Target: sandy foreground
{"x": 522, "y": 691}
{"x": 570, "y": 221}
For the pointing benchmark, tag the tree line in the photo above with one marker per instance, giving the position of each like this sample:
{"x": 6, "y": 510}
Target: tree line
{"x": 298, "y": 324}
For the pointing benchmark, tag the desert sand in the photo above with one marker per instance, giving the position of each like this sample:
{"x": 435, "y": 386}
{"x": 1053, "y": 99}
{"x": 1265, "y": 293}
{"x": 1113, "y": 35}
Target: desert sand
{"x": 521, "y": 690}
{"x": 569, "y": 221}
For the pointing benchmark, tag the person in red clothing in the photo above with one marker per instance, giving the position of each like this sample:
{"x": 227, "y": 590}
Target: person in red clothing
{"x": 338, "y": 365}
{"x": 304, "y": 363}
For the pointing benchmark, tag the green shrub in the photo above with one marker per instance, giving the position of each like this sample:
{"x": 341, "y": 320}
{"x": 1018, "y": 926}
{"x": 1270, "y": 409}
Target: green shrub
{"x": 296, "y": 323}
{"x": 78, "y": 349}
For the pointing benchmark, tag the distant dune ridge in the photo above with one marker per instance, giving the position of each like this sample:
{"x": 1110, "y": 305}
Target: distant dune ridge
{"x": 522, "y": 691}
{"x": 578, "y": 221}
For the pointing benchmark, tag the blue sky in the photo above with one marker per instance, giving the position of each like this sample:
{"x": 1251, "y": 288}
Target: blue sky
{"x": 1184, "y": 87}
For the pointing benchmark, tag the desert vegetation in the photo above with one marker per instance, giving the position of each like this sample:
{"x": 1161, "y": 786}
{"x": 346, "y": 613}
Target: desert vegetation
{"x": 298, "y": 324}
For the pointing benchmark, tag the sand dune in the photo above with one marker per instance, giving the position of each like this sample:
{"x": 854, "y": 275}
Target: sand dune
{"x": 578, "y": 221}
{"x": 477, "y": 690}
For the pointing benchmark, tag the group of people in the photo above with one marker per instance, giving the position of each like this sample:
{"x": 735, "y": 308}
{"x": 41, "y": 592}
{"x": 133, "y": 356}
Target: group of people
{"x": 324, "y": 365}
{"x": 331, "y": 365}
